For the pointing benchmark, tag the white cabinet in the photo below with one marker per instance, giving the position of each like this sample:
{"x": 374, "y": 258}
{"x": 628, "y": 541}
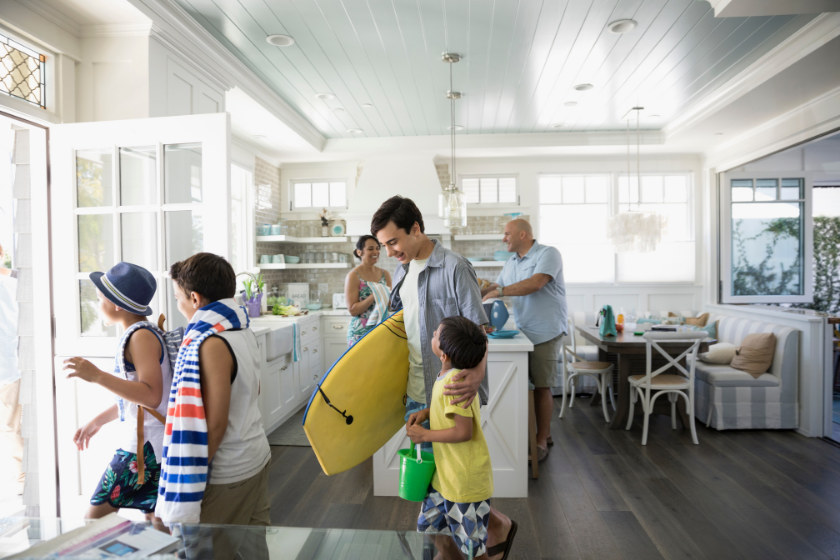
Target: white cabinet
{"x": 334, "y": 337}
{"x": 304, "y": 377}
{"x": 277, "y": 394}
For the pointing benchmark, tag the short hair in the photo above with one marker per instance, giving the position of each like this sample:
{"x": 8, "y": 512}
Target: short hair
{"x": 463, "y": 341}
{"x": 402, "y": 211}
{"x": 207, "y": 274}
{"x": 360, "y": 244}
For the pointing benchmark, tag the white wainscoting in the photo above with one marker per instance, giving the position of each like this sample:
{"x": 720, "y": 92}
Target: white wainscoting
{"x": 641, "y": 297}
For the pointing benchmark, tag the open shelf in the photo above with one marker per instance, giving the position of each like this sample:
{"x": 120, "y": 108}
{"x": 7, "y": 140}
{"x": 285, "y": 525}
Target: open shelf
{"x": 290, "y": 239}
{"x": 287, "y": 266}
{"x": 479, "y": 237}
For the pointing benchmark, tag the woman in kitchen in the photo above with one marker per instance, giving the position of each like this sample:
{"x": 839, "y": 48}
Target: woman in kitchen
{"x": 361, "y": 287}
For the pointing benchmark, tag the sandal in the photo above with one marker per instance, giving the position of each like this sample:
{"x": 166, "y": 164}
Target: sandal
{"x": 550, "y": 441}
{"x": 504, "y": 546}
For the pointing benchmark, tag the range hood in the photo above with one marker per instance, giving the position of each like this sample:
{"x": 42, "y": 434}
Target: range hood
{"x": 413, "y": 177}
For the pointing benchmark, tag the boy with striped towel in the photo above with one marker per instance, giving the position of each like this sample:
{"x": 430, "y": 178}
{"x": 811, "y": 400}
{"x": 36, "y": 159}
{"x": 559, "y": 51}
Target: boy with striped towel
{"x": 215, "y": 452}
{"x": 142, "y": 376}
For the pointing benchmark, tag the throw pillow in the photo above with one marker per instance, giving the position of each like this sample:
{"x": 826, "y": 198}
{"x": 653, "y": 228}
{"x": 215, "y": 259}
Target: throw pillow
{"x": 697, "y": 321}
{"x": 720, "y": 353}
{"x": 755, "y": 354}
{"x": 710, "y": 330}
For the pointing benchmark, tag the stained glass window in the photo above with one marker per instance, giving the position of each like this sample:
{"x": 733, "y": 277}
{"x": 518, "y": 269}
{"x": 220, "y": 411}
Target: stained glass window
{"x": 22, "y": 72}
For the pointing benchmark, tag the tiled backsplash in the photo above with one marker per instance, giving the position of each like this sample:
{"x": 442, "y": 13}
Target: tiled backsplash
{"x": 267, "y": 179}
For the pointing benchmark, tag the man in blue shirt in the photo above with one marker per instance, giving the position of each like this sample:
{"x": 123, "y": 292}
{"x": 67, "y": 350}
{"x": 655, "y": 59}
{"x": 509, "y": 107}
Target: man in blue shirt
{"x": 534, "y": 276}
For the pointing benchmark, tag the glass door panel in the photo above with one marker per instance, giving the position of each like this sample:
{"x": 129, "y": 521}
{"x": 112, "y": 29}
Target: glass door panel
{"x": 182, "y": 173}
{"x": 184, "y": 235}
{"x": 89, "y": 315}
{"x": 94, "y": 172}
{"x": 95, "y": 242}
{"x": 139, "y": 239}
{"x": 138, "y": 176}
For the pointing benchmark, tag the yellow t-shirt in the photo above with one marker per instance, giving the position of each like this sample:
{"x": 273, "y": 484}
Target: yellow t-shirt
{"x": 463, "y": 473}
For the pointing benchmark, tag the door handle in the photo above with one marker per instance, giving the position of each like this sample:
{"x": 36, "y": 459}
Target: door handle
{"x": 315, "y": 351}
{"x": 284, "y": 368}
{"x": 302, "y": 333}
{"x": 339, "y": 327}
{"x": 314, "y": 329}
{"x": 306, "y": 349}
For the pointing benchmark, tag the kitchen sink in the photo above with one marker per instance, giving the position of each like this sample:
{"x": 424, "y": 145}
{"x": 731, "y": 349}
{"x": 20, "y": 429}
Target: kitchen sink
{"x": 279, "y": 342}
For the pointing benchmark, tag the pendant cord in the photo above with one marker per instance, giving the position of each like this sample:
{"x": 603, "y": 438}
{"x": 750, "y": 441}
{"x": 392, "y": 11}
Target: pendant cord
{"x": 452, "y": 119}
{"x": 638, "y": 161}
{"x": 629, "y": 189}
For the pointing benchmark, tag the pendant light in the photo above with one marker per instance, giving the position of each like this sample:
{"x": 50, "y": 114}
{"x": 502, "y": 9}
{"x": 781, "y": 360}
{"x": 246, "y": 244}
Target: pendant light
{"x": 635, "y": 230}
{"x": 452, "y": 203}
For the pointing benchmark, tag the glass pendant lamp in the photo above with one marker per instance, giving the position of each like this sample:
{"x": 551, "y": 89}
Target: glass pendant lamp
{"x": 452, "y": 202}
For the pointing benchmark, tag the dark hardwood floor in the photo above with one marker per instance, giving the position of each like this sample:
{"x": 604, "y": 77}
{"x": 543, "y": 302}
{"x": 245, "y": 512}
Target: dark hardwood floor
{"x": 601, "y": 495}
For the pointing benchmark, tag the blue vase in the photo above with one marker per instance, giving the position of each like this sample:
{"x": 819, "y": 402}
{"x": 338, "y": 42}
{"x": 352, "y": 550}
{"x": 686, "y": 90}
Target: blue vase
{"x": 499, "y": 315}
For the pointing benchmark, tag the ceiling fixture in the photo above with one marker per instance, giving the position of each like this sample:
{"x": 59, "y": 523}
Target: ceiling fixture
{"x": 718, "y": 133}
{"x": 259, "y": 136}
{"x": 338, "y": 110}
{"x": 653, "y": 116}
{"x": 570, "y": 103}
{"x": 456, "y": 127}
{"x": 622, "y": 26}
{"x": 557, "y": 125}
{"x": 635, "y": 230}
{"x": 355, "y": 130}
{"x": 280, "y": 40}
{"x": 583, "y": 87}
{"x": 452, "y": 204}
{"x": 325, "y": 96}
{"x": 367, "y": 105}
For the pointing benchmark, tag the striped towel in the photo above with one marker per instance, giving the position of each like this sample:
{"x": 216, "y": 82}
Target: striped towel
{"x": 381, "y": 297}
{"x": 183, "y": 475}
{"x": 296, "y": 352}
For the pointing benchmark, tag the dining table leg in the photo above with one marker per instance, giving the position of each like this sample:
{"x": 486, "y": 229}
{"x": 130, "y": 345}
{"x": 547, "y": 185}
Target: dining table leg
{"x": 622, "y": 406}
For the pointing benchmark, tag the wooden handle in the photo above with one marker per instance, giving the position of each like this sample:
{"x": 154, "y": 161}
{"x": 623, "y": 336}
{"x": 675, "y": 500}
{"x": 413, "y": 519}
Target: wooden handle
{"x": 161, "y": 320}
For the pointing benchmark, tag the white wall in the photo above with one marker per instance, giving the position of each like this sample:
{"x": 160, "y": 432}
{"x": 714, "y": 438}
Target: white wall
{"x": 178, "y": 88}
{"x": 112, "y": 79}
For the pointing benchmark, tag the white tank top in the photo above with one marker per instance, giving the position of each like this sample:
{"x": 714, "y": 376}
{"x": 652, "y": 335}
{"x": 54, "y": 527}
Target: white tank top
{"x": 153, "y": 429}
{"x": 244, "y": 449}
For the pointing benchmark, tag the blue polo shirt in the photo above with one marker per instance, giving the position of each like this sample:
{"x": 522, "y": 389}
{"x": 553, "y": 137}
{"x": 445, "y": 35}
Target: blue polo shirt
{"x": 543, "y": 314}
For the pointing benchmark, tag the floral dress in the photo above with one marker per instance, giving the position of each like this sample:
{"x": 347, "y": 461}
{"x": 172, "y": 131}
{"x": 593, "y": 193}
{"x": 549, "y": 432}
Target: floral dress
{"x": 358, "y": 325}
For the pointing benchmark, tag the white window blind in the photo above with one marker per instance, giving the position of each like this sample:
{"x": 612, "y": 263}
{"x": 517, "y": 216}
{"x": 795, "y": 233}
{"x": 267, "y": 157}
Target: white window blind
{"x": 489, "y": 190}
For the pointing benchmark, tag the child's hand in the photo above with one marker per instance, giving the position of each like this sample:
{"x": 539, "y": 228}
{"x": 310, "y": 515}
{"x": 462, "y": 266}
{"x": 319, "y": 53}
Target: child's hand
{"x": 81, "y": 368}
{"x": 417, "y": 418}
{"x": 417, "y": 433}
{"x": 83, "y": 435}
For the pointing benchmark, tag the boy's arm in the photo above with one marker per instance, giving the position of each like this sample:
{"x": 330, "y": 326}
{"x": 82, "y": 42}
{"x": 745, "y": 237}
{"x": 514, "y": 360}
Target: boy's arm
{"x": 215, "y": 364}
{"x": 82, "y": 436}
{"x": 144, "y": 352}
{"x": 461, "y": 432}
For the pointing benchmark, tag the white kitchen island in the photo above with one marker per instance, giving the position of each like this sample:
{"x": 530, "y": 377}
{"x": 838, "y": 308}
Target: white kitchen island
{"x": 504, "y": 421}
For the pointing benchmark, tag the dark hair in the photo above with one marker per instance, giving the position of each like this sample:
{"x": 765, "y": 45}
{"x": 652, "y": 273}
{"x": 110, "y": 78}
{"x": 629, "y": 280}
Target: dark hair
{"x": 360, "y": 245}
{"x": 463, "y": 341}
{"x": 207, "y": 274}
{"x": 402, "y": 211}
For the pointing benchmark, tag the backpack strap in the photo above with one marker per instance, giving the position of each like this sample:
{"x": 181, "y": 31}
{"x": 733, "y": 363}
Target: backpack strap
{"x": 141, "y": 441}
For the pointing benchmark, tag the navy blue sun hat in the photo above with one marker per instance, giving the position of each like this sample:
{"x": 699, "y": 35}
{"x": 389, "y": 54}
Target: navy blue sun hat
{"x": 128, "y": 286}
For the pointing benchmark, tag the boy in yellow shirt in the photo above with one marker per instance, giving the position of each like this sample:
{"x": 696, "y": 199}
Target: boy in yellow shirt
{"x": 457, "y": 500}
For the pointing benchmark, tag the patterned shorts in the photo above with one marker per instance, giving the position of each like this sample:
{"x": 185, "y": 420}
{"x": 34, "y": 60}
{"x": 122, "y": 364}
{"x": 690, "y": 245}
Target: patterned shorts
{"x": 467, "y": 523}
{"x": 118, "y": 485}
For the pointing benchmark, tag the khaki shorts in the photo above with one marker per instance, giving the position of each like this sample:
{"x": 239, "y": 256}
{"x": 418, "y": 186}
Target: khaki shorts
{"x": 542, "y": 363}
{"x": 240, "y": 503}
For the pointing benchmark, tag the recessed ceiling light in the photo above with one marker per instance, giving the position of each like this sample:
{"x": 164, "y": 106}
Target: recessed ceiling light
{"x": 355, "y": 130}
{"x": 582, "y": 87}
{"x": 280, "y": 40}
{"x": 325, "y": 96}
{"x": 654, "y": 116}
{"x": 570, "y": 103}
{"x": 557, "y": 125}
{"x": 622, "y": 26}
{"x": 718, "y": 133}
{"x": 259, "y": 136}
{"x": 338, "y": 110}
{"x": 456, "y": 127}
{"x": 367, "y": 105}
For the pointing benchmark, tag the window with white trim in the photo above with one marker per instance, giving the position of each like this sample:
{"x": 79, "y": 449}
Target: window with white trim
{"x": 487, "y": 189}
{"x": 319, "y": 193}
{"x": 573, "y": 215}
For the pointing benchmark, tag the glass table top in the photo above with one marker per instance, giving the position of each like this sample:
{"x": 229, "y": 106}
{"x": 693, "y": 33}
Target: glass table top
{"x": 27, "y": 537}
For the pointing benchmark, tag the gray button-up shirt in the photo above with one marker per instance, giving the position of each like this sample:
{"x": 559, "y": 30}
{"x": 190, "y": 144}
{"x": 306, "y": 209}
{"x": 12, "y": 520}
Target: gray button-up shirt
{"x": 447, "y": 287}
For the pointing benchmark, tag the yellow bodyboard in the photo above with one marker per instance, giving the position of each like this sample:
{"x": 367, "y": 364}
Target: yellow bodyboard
{"x": 368, "y": 384}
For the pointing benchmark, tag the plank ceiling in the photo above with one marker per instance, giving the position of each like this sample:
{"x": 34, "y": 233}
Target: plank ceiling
{"x": 521, "y": 59}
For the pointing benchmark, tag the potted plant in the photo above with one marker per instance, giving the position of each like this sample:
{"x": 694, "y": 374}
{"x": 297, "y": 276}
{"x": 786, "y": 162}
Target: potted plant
{"x": 252, "y": 295}
{"x": 325, "y": 222}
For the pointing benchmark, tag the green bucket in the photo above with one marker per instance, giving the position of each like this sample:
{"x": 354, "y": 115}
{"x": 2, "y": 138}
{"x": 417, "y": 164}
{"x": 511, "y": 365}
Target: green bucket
{"x": 416, "y": 470}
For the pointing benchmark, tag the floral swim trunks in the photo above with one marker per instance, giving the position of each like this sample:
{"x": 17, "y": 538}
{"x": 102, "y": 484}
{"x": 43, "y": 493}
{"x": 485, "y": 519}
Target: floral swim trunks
{"x": 118, "y": 485}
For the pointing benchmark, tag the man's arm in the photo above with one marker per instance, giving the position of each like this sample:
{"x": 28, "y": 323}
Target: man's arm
{"x": 466, "y": 383}
{"x": 215, "y": 364}
{"x": 488, "y": 289}
{"x": 528, "y": 286}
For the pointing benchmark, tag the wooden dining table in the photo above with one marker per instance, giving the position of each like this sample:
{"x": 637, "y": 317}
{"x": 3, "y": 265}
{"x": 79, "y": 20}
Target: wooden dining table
{"x": 632, "y": 356}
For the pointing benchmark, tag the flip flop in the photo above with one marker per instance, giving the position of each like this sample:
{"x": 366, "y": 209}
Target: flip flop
{"x": 504, "y": 546}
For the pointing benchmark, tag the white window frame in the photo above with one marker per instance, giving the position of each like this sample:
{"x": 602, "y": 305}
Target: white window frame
{"x": 248, "y": 241}
{"x": 293, "y": 207}
{"x": 50, "y": 103}
{"x": 614, "y": 205}
{"x": 725, "y": 213}
{"x": 479, "y": 176}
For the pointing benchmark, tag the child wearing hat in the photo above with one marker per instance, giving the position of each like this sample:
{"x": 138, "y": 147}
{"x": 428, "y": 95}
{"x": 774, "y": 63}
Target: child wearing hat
{"x": 140, "y": 384}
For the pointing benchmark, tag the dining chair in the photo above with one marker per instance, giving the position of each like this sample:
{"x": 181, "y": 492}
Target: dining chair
{"x": 574, "y": 366}
{"x": 672, "y": 384}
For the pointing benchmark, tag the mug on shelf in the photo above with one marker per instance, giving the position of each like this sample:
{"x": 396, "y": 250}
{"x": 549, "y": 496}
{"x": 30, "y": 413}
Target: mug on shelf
{"x": 275, "y": 229}
{"x": 278, "y": 259}
{"x": 265, "y": 259}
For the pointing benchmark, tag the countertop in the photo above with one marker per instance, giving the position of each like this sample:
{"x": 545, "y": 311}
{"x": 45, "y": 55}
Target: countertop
{"x": 519, "y": 343}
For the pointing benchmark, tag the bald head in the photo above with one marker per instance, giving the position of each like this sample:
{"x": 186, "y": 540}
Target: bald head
{"x": 519, "y": 236}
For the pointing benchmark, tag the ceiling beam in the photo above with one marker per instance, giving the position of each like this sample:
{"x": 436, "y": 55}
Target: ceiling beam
{"x": 749, "y": 8}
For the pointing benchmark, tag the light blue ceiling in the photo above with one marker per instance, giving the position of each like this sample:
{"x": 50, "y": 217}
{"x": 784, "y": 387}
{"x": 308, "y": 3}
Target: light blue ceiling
{"x": 520, "y": 59}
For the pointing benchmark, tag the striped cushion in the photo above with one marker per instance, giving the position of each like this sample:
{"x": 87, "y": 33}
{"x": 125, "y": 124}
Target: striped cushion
{"x": 726, "y": 376}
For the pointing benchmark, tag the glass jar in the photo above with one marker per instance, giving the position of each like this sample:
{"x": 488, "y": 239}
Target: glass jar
{"x": 334, "y": 258}
{"x": 319, "y": 257}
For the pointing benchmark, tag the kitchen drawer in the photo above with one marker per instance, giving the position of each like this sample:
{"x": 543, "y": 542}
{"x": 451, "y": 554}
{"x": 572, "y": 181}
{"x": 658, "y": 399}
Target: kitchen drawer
{"x": 309, "y": 330}
{"x": 315, "y": 355}
{"x": 335, "y": 326}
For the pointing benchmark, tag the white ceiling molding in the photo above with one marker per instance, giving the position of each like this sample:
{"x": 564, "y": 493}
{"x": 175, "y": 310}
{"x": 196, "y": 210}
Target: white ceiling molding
{"x": 31, "y": 23}
{"x": 116, "y": 30}
{"x": 254, "y": 149}
{"x": 176, "y": 26}
{"x": 806, "y": 40}
{"x": 814, "y": 118}
{"x": 54, "y": 16}
{"x": 750, "y": 8}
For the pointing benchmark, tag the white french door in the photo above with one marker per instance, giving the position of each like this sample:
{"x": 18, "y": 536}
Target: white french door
{"x": 151, "y": 192}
